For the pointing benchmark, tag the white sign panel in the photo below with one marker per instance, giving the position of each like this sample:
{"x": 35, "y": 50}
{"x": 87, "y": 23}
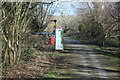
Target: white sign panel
{"x": 58, "y": 41}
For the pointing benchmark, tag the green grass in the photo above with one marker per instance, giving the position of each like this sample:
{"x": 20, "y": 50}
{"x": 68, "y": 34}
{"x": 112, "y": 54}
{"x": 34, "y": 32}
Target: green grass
{"x": 57, "y": 71}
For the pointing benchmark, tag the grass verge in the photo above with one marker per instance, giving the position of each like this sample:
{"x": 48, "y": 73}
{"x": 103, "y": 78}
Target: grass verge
{"x": 38, "y": 64}
{"x": 60, "y": 66}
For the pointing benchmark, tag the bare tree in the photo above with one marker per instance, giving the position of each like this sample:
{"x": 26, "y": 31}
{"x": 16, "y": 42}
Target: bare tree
{"x": 43, "y": 13}
{"x": 15, "y": 20}
{"x": 100, "y": 22}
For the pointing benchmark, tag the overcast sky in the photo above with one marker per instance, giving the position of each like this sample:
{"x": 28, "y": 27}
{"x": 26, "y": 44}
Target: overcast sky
{"x": 67, "y": 8}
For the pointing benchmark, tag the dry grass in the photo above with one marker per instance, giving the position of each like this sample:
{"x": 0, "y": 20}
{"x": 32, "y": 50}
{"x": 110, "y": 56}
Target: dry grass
{"x": 39, "y": 66}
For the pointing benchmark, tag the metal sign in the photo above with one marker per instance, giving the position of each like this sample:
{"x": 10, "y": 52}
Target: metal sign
{"x": 58, "y": 38}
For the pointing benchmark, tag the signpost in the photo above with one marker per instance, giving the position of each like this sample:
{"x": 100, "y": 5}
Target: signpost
{"x": 58, "y": 38}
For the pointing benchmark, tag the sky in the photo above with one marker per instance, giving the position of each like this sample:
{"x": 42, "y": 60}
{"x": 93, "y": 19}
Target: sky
{"x": 67, "y": 8}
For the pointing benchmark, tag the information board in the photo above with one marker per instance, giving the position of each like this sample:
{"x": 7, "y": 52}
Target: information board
{"x": 58, "y": 38}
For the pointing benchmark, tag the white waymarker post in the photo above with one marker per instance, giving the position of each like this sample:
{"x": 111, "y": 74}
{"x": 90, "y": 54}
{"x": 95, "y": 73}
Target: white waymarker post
{"x": 58, "y": 38}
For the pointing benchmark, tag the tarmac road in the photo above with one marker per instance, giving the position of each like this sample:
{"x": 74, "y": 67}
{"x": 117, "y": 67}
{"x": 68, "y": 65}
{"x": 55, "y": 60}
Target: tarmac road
{"x": 86, "y": 63}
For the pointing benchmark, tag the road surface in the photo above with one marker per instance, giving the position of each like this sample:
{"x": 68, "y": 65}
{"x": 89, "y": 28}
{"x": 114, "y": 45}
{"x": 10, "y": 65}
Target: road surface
{"x": 86, "y": 63}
